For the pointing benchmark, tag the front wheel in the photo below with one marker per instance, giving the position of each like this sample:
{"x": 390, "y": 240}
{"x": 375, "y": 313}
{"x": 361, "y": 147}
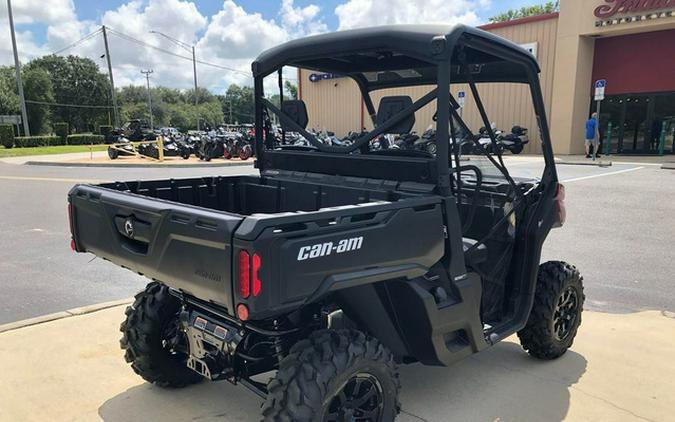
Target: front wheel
{"x": 152, "y": 341}
{"x": 556, "y": 313}
{"x": 335, "y": 375}
{"x": 113, "y": 153}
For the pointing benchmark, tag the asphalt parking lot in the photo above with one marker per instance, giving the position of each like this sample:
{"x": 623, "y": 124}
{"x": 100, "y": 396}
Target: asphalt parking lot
{"x": 619, "y": 233}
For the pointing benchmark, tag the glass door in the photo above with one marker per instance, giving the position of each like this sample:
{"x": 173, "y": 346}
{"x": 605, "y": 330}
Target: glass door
{"x": 635, "y": 132}
{"x": 664, "y": 120}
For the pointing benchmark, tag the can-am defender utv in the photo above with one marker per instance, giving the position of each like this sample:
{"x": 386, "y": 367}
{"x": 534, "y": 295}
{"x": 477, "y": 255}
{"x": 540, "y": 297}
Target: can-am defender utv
{"x": 337, "y": 263}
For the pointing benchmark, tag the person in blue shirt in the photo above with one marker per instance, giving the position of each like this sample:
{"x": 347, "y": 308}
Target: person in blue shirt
{"x": 592, "y": 135}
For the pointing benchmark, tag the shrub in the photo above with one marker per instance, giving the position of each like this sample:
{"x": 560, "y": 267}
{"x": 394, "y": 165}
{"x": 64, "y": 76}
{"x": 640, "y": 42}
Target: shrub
{"x": 105, "y": 130}
{"x": 7, "y": 135}
{"x": 85, "y": 139}
{"x": 35, "y": 141}
{"x": 61, "y": 130}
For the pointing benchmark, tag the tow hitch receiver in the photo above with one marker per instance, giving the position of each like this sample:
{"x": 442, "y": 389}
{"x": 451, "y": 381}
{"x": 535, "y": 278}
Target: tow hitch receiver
{"x": 212, "y": 344}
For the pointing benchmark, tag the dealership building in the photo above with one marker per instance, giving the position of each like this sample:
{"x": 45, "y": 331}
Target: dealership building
{"x": 628, "y": 44}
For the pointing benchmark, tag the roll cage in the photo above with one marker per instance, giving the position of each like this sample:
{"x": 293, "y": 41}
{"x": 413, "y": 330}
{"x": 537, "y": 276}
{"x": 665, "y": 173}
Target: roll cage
{"x": 398, "y": 56}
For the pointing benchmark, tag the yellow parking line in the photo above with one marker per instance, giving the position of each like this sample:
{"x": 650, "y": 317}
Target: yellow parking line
{"x": 51, "y": 179}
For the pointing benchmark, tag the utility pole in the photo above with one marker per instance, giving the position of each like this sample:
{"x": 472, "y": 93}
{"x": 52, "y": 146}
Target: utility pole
{"x": 147, "y": 74}
{"x": 112, "y": 82}
{"x": 194, "y": 69}
{"x": 17, "y": 66}
{"x": 230, "y": 111}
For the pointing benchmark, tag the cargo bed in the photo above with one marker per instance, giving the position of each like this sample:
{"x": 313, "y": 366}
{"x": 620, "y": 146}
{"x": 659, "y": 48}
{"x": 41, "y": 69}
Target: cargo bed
{"x": 185, "y": 232}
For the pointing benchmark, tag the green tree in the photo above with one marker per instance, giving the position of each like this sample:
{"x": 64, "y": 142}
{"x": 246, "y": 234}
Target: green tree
{"x": 9, "y": 100}
{"x": 241, "y": 101}
{"x": 211, "y": 113}
{"x": 181, "y": 117}
{"x": 132, "y": 94}
{"x": 76, "y": 80}
{"x": 37, "y": 86}
{"x": 523, "y": 12}
{"x": 291, "y": 89}
{"x": 203, "y": 96}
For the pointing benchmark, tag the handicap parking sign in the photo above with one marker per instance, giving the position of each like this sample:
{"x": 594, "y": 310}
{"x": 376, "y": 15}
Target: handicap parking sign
{"x": 600, "y": 85}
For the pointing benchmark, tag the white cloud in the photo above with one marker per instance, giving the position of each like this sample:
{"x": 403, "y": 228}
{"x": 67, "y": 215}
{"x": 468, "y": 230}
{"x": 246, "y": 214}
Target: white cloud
{"x": 36, "y": 11}
{"x": 234, "y": 38}
{"x": 301, "y": 20}
{"x": 362, "y": 13}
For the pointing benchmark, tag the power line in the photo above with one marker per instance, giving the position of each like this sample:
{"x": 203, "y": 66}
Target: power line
{"x": 154, "y": 47}
{"x": 66, "y": 105}
{"x": 78, "y": 42}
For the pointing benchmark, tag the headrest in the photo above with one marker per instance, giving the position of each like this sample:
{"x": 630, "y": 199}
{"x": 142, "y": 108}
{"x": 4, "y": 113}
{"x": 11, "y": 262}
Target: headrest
{"x": 297, "y": 111}
{"x": 391, "y": 106}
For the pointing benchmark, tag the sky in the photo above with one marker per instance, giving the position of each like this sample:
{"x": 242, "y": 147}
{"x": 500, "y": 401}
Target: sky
{"x": 227, "y": 34}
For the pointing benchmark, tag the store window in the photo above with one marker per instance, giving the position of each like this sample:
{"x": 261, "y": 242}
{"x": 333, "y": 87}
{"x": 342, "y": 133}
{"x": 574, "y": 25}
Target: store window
{"x": 637, "y": 123}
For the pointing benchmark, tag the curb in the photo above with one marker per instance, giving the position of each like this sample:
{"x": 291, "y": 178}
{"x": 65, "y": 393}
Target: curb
{"x": 83, "y": 310}
{"x": 129, "y": 165}
{"x": 668, "y": 166}
{"x": 585, "y": 163}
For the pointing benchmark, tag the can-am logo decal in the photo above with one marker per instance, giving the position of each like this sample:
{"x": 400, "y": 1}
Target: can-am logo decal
{"x": 328, "y": 248}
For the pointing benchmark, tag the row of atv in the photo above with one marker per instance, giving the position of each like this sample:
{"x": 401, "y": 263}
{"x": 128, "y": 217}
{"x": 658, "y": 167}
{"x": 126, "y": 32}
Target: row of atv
{"x": 224, "y": 145}
{"x": 461, "y": 143}
{"x": 205, "y": 146}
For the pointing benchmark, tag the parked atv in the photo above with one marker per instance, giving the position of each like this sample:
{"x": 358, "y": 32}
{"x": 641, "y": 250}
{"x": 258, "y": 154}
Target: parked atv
{"x": 516, "y": 140}
{"x": 122, "y": 146}
{"x": 330, "y": 268}
{"x": 211, "y": 146}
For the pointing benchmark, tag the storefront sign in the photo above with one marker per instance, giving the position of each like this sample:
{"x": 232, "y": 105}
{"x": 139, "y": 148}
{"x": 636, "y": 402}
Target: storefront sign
{"x": 316, "y": 77}
{"x": 625, "y": 7}
{"x": 625, "y": 11}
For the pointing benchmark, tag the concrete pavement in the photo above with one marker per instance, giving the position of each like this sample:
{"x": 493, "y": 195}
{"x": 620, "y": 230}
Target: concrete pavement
{"x": 619, "y": 369}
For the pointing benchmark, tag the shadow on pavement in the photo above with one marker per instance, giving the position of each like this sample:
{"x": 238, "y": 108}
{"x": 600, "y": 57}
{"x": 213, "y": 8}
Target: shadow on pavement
{"x": 500, "y": 384}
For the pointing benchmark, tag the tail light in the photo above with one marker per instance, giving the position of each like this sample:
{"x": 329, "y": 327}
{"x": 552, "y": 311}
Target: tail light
{"x": 73, "y": 246}
{"x": 244, "y": 275}
{"x": 248, "y": 274}
{"x": 560, "y": 204}
{"x": 257, "y": 284}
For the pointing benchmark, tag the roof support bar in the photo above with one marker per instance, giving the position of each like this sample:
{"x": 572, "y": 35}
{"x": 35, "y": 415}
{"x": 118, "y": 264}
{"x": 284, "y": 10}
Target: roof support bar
{"x": 442, "y": 141}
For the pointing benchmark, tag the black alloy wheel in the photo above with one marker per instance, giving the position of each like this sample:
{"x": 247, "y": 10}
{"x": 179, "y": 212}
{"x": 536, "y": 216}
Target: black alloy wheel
{"x": 566, "y": 311}
{"x": 361, "y": 399}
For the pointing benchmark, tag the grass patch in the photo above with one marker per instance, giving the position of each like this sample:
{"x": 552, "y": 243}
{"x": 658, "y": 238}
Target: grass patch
{"x": 62, "y": 149}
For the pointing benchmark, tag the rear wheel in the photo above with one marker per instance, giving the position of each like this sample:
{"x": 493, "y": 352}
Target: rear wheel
{"x": 245, "y": 152}
{"x": 517, "y": 149}
{"x": 152, "y": 341}
{"x": 556, "y": 312}
{"x": 113, "y": 153}
{"x": 335, "y": 375}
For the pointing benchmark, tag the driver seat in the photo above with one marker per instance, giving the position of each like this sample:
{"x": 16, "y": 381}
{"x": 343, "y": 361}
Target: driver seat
{"x": 391, "y": 106}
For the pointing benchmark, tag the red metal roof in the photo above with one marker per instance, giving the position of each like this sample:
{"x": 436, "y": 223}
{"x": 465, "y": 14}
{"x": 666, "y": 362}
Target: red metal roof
{"x": 521, "y": 21}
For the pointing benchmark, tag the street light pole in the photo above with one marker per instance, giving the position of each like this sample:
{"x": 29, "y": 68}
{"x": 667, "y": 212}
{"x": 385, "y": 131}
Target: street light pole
{"x": 17, "y": 66}
{"x": 188, "y": 48}
{"x": 147, "y": 74}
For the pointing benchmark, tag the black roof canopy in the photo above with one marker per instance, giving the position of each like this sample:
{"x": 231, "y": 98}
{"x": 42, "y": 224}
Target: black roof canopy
{"x": 402, "y": 55}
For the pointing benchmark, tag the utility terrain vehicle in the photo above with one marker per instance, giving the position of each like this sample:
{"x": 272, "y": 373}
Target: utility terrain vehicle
{"x": 337, "y": 263}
